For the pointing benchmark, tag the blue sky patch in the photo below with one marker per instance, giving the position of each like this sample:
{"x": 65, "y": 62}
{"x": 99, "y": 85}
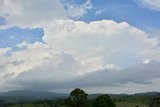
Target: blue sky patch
{"x": 2, "y": 21}
{"x": 124, "y": 11}
{"x": 15, "y": 35}
{"x": 118, "y": 10}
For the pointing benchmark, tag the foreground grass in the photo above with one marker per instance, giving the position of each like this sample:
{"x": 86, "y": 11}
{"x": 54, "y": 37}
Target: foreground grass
{"x": 133, "y": 101}
{"x": 118, "y": 104}
{"x": 127, "y": 104}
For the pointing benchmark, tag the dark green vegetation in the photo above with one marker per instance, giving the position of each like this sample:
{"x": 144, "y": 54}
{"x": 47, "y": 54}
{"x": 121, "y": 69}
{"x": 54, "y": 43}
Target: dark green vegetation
{"x": 104, "y": 101}
{"x": 77, "y": 98}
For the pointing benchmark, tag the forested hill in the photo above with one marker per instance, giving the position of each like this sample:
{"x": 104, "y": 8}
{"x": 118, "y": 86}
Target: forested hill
{"x": 31, "y": 95}
{"x": 28, "y": 94}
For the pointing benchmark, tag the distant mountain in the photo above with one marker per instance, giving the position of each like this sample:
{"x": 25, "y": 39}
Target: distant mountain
{"x": 32, "y": 95}
{"x": 151, "y": 94}
{"x": 148, "y": 94}
{"x": 27, "y": 95}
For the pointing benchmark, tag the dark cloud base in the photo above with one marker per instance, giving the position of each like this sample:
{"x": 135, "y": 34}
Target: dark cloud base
{"x": 138, "y": 74}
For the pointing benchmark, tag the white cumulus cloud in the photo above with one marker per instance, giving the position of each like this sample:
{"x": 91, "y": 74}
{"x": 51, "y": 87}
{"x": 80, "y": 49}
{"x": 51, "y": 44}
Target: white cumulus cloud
{"x": 114, "y": 43}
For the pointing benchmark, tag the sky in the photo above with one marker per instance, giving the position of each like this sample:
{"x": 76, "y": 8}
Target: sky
{"x": 101, "y": 46}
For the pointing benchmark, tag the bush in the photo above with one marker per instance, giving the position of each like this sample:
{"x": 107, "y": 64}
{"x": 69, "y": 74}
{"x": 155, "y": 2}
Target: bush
{"x": 103, "y": 101}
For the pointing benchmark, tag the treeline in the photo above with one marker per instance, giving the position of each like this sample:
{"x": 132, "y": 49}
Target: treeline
{"x": 77, "y": 98}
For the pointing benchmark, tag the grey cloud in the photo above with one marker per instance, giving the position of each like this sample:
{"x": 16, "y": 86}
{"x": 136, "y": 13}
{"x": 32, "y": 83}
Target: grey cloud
{"x": 138, "y": 74}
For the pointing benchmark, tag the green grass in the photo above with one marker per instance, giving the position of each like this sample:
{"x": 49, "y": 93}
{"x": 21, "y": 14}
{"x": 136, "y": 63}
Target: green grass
{"x": 129, "y": 104}
{"x": 133, "y": 101}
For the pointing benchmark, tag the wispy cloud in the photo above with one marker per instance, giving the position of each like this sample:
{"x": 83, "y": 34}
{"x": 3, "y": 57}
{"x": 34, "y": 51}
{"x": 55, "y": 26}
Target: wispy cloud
{"x": 152, "y": 4}
{"x": 100, "y": 11}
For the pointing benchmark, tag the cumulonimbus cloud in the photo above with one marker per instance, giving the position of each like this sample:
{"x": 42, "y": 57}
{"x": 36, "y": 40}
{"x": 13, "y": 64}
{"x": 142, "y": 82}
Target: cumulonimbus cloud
{"x": 79, "y": 50}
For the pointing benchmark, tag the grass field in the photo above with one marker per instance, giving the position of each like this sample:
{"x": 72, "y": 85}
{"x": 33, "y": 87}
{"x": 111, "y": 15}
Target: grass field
{"x": 133, "y": 101}
{"x": 129, "y": 104}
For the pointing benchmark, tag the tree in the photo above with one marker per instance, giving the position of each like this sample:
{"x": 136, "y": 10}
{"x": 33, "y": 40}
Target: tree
{"x": 77, "y": 98}
{"x": 103, "y": 101}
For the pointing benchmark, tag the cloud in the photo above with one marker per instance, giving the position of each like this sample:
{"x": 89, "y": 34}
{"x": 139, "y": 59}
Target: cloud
{"x": 139, "y": 75}
{"x": 146, "y": 61}
{"x": 78, "y": 10}
{"x": 152, "y": 4}
{"x": 100, "y": 11}
{"x": 4, "y": 51}
{"x": 35, "y": 57}
{"x": 31, "y": 13}
{"x": 78, "y": 54}
{"x": 38, "y": 12}
{"x": 106, "y": 40}
{"x": 100, "y": 54}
